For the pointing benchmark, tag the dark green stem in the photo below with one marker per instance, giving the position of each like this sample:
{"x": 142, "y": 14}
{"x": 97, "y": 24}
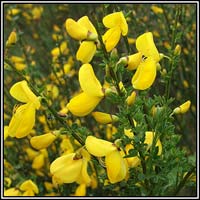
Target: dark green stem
{"x": 182, "y": 183}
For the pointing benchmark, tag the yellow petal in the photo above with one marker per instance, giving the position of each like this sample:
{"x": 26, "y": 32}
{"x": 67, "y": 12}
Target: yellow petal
{"x": 99, "y": 147}
{"x": 12, "y": 192}
{"x": 149, "y": 135}
{"x": 38, "y": 161}
{"x": 83, "y": 104}
{"x": 5, "y": 132}
{"x": 104, "y": 118}
{"x": 12, "y": 39}
{"x": 75, "y": 30}
{"x": 85, "y": 22}
{"x": 145, "y": 45}
{"x": 115, "y": 166}
{"x": 42, "y": 141}
{"x": 28, "y": 193}
{"x": 131, "y": 99}
{"x": 134, "y": 60}
{"x": 22, "y": 93}
{"x": 145, "y": 74}
{"x": 183, "y": 108}
{"x": 86, "y": 51}
{"x": 88, "y": 81}
{"x": 22, "y": 121}
{"x": 80, "y": 190}
{"x": 111, "y": 38}
{"x": 132, "y": 161}
{"x": 29, "y": 185}
{"x": 66, "y": 168}
{"x": 116, "y": 20}
{"x": 84, "y": 176}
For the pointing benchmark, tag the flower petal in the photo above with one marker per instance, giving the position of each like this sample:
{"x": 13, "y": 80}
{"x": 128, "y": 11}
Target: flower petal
{"x": 22, "y": 121}
{"x": 66, "y": 169}
{"x": 83, "y": 104}
{"x": 22, "y": 93}
{"x": 86, "y": 51}
{"x": 98, "y": 147}
{"x": 75, "y": 30}
{"x": 116, "y": 166}
{"x": 104, "y": 118}
{"x": 111, "y": 38}
{"x": 29, "y": 185}
{"x": 85, "y": 22}
{"x": 88, "y": 81}
{"x": 134, "y": 60}
{"x": 145, "y": 44}
{"x": 145, "y": 74}
{"x": 42, "y": 141}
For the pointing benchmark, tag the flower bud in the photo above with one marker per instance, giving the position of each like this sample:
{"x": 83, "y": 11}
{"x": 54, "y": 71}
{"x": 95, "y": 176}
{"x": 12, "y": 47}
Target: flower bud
{"x": 183, "y": 108}
{"x": 177, "y": 50}
{"x": 131, "y": 99}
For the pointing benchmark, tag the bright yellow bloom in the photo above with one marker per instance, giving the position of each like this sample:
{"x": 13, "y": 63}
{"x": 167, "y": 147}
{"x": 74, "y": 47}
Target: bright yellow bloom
{"x": 81, "y": 30}
{"x": 43, "y": 141}
{"x": 183, "y": 108}
{"x": 38, "y": 161}
{"x": 145, "y": 74}
{"x": 157, "y": 10}
{"x": 117, "y": 25}
{"x": 12, "y": 192}
{"x": 29, "y": 187}
{"x": 22, "y": 121}
{"x": 145, "y": 44}
{"x": 92, "y": 94}
{"x": 70, "y": 168}
{"x": 104, "y": 118}
{"x": 12, "y": 39}
{"x": 145, "y": 61}
{"x": 131, "y": 99}
{"x": 116, "y": 166}
{"x": 22, "y": 93}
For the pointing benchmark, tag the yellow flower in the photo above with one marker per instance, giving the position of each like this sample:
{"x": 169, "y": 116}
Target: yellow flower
{"x": 104, "y": 118}
{"x": 81, "y": 30}
{"x": 22, "y": 93}
{"x": 131, "y": 99}
{"x": 92, "y": 94}
{"x": 22, "y": 121}
{"x": 116, "y": 165}
{"x": 183, "y": 108}
{"x": 38, "y": 161}
{"x": 70, "y": 168}
{"x": 12, "y": 39}
{"x": 157, "y": 10}
{"x": 117, "y": 25}
{"x": 145, "y": 74}
{"x": 12, "y": 192}
{"x": 43, "y": 141}
{"x": 145, "y": 62}
{"x": 18, "y": 62}
{"x": 29, "y": 187}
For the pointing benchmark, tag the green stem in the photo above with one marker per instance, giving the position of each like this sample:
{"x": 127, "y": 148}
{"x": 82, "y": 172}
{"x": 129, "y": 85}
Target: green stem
{"x": 182, "y": 183}
{"x": 173, "y": 63}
